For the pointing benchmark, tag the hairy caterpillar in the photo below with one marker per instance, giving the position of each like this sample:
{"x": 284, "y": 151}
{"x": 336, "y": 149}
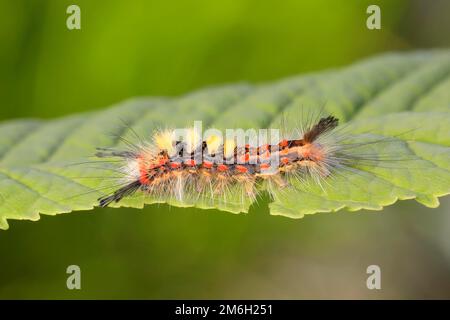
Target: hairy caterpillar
{"x": 195, "y": 167}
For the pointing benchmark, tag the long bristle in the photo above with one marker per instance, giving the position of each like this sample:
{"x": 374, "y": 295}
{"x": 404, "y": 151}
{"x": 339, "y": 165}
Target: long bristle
{"x": 324, "y": 125}
{"x": 119, "y": 194}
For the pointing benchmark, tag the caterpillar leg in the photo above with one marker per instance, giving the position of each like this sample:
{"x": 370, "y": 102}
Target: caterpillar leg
{"x": 279, "y": 181}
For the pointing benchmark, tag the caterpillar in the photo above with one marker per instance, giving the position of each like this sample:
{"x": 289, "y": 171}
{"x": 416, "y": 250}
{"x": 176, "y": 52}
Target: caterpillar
{"x": 194, "y": 166}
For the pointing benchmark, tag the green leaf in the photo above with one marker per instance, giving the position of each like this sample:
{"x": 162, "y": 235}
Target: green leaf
{"x": 402, "y": 96}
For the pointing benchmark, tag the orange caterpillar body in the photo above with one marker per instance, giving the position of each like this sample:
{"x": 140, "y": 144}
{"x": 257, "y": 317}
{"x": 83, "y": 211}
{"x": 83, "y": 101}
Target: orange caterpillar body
{"x": 169, "y": 167}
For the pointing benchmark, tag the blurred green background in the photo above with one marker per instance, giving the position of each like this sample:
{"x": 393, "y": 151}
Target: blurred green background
{"x": 160, "y": 48}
